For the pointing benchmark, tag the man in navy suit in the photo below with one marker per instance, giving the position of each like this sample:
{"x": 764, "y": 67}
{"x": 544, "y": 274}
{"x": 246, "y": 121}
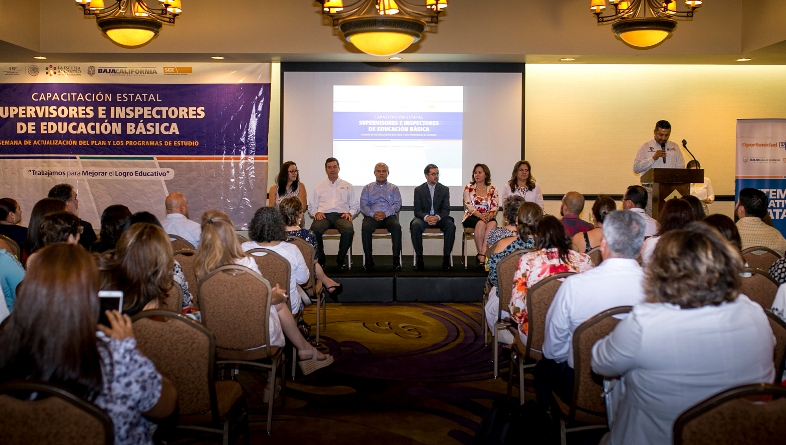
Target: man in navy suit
{"x": 432, "y": 210}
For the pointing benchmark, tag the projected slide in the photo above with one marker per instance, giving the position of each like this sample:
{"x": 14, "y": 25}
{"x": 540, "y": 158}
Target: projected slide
{"x": 406, "y": 127}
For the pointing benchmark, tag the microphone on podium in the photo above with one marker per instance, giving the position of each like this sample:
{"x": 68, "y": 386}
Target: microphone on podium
{"x": 685, "y": 146}
{"x": 663, "y": 146}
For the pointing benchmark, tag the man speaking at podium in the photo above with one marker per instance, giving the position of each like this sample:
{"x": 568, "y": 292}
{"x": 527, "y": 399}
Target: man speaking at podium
{"x": 658, "y": 152}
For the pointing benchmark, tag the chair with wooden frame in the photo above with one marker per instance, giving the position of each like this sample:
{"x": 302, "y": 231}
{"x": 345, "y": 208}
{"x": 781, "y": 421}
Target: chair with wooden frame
{"x": 760, "y": 257}
{"x": 179, "y": 243}
{"x": 334, "y": 234}
{"x": 759, "y": 286}
{"x": 184, "y": 352}
{"x": 235, "y": 303}
{"x": 11, "y": 247}
{"x": 587, "y": 404}
{"x": 595, "y": 255}
{"x": 486, "y": 290}
{"x": 506, "y": 269}
{"x": 314, "y": 288}
{"x": 61, "y": 417}
{"x": 749, "y": 414}
{"x": 779, "y": 331}
{"x": 432, "y": 233}
{"x": 539, "y": 298}
{"x": 382, "y": 233}
{"x": 467, "y": 234}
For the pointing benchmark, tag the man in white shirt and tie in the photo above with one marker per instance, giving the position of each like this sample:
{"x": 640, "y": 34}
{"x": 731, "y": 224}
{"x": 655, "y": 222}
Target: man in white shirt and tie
{"x": 333, "y": 206}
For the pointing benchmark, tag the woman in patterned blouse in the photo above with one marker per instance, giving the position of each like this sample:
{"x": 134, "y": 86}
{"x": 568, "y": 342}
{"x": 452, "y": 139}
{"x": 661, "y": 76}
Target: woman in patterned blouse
{"x": 480, "y": 208}
{"x": 553, "y": 256}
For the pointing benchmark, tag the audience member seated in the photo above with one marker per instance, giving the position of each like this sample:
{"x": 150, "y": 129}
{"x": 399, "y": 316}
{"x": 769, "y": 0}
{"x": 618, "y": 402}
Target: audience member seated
{"x": 113, "y": 222}
{"x": 177, "y": 222}
{"x": 287, "y": 184}
{"x": 726, "y": 227}
{"x": 67, "y": 194}
{"x": 572, "y": 206}
{"x": 51, "y": 337}
{"x": 141, "y": 267}
{"x": 617, "y": 281}
{"x": 701, "y": 190}
{"x": 11, "y": 274}
{"x": 292, "y": 212}
{"x": 527, "y": 215}
{"x": 266, "y": 230}
{"x": 751, "y": 208}
{"x": 219, "y": 246}
{"x": 34, "y": 240}
{"x": 553, "y": 256}
{"x": 480, "y": 208}
{"x": 508, "y": 229}
{"x": 698, "y": 209}
{"x": 523, "y": 184}
{"x": 333, "y": 206}
{"x": 10, "y": 217}
{"x": 635, "y": 200}
{"x": 586, "y": 241}
{"x": 675, "y": 214}
{"x": 58, "y": 227}
{"x": 695, "y": 336}
{"x": 380, "y": 202}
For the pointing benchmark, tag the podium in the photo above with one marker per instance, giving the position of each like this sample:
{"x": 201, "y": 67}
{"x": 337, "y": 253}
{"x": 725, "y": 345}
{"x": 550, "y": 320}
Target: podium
{"x": 666, "y": 181}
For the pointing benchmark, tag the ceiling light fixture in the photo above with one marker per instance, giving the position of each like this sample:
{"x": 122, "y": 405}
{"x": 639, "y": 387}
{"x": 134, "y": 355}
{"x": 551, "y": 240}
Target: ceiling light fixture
{"x": 131, "y": 23}
{"x": 383, "y": 27}
{"x": 631, "y": 23}
{"x": 567, "y": 59}
{"x": 395, "y": 58}
{"x": 39, "y": 57}
{"x": 217, "y": 57}
{"x": 744, "y": 59}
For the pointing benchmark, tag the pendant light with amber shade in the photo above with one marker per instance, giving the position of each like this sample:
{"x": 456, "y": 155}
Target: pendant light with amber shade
{"x": 131, "y": 23}
{"x": 643, "y": 23}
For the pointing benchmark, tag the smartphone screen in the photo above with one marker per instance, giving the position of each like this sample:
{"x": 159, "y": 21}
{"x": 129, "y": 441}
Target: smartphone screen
{"x": 111, "y": 300}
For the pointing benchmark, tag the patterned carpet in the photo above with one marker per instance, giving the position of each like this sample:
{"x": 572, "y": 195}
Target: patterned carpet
{"x": 404, "y": 373}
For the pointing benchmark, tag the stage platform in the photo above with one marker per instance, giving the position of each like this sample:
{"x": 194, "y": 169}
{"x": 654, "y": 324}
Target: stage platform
{"x": 431, "y": 285}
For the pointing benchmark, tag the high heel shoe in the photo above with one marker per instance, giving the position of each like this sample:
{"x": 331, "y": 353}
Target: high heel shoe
{"x": 313, "y": 363}
{"x": 335, "y": 292}
{"x": 481, "y": 263}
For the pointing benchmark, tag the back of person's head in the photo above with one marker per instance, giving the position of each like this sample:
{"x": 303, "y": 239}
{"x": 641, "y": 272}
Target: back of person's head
{"x": 7, "y": 205}
{"x": 528, "y": 215}
{"x": 550, "y": 234}
{"x": 726, "y": 227}
{"x": 693, "y": 164}
{"x": 291, "y": 209}
{"x": 604, "y": 205}
{"x": 637, "y": 195}
{"x": 754, "y": 201}
{"x": 58, "y": 227}
{"x": 40, "y": 209}
{"x": 624, "y": 233}
{"x": 267, "y": 226}
{"x": 61, "y": 192}
{"x": 142, "y": 217}
{"x": 695, "y": 204}
{"x": 574, "y": 203}
{"x": 142, "y": 266}
{"x": 51, "y": 335}
{"x": 218, "y": 243}
{"x": 113, "y": 222}
{"x": 693, "y": 267}
{"x": 675, "y": 214}
{"x": 511, "y": 208}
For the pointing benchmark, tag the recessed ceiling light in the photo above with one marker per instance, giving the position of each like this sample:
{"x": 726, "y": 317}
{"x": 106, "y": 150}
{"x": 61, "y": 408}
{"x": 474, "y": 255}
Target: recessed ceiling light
{"x": 217, "y": 58}
{"x": 567, "y": 59}
{"x": 40, "y": 57}
{"x": 395, "y": 58}
{"x": 744, "y": 59}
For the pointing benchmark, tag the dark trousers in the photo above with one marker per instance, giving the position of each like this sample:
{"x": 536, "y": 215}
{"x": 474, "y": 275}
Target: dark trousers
{"x": 391, "y": 225}
{"x": 344, "y": 227}
{"x": 552, "y": 376}
{"x": 446, "y": 225}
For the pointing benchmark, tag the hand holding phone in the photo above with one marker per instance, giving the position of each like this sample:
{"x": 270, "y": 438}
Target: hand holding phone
{"x": 110, "y": 319}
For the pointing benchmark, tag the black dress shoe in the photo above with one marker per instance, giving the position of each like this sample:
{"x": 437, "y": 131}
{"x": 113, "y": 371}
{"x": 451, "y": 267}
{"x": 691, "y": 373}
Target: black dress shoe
{"x": 446, "y": 264}
{"x": 419, "y": 264}
{"x": 335, "y": 291}
{"x": 397, "y": 267}
{"x": 369, "y": 266}
{"x": 343, "y": 267}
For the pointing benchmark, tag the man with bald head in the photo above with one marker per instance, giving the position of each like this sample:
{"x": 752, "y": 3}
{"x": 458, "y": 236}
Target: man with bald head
{"x": 572, "y": 206}
{"x": 380, "y": 203}
{"x": 177, "y": 222}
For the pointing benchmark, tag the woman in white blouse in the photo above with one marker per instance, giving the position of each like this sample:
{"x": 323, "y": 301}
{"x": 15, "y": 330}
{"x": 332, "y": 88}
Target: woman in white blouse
{"x": 522, "y": 183}
{"x": 703, "y": 191}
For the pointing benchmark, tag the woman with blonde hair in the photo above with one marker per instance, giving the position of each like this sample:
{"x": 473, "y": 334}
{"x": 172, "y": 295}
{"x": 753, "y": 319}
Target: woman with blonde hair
{"x": 219, "y": 246}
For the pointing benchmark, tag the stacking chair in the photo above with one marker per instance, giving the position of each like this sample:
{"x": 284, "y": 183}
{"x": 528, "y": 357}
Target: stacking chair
{"x": 467, "y": 234}
{"x": 779, "y": 330}
{"x": 242, "y": 239}
{"x": 382, "y": 233}
{"x": 179, "y": 243}
{"x": 184, "y": 352}
{"x": 506, "y": 269}
{"x": 486, "y": 290}
{"x": 587, "y": 404}
{"x": 235, "y": 305}
{"x": 432, "y": 233}
{"x": 11, "y": 247}
{"x": 745, "y": 415}
{"x": 759, "y": 286}
{"x": 334, "y": 234}
{"x": 62, "y": 417}
{"x": 313, "y": 288}
{"x": 539, "y": 298}
{"x": 760, "y": 257}
{"x": 595, "y": 255}
{"x": 174, "y": 299}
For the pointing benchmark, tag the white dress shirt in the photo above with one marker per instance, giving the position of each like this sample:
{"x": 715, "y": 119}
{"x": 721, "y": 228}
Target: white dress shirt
{"x": 615, "y": 282}
{"x": 644, "y": 161}
{"x": 333, "y": 197}
{"x": 650, "y": 225}
{"x": 177, "y": 224}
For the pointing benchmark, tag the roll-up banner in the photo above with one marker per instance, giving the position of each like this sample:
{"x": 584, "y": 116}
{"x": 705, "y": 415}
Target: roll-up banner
{"x": 761, "y": 163}
{"x": 132, "y": 133}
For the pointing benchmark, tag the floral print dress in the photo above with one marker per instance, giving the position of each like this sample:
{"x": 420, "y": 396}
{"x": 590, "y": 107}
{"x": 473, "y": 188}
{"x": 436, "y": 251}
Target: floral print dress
{"x": 482, "y": 204}
{"x": 533, "y": 268}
